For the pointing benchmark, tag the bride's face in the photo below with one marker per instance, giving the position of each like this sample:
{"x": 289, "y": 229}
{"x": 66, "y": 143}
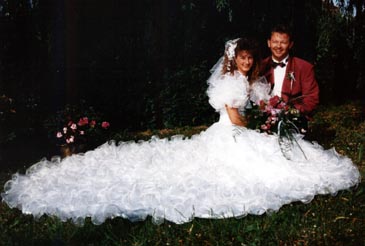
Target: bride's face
{"x": 244, "y": 61}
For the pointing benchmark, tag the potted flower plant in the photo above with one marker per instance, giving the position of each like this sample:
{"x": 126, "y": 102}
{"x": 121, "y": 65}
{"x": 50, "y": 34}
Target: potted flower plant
{"x": 76, "y": 129}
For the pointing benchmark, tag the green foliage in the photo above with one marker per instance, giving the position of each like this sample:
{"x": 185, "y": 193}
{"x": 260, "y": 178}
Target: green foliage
{"x": 340, "y": 50}
{"x": 7, "y": 113}
{"x": 222, "y": 4}
{"x": 330, "y": 29}
{"x": 19, "y": 119}
{"x": 184, "y": 97}
{"x": 140, "y": 75}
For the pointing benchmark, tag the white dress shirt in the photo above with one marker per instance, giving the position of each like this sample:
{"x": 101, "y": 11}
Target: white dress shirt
{"x": 279, "y": 75}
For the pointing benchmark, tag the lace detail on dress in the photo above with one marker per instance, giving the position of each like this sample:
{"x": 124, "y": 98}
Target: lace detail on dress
{"x": 260, "y": 90}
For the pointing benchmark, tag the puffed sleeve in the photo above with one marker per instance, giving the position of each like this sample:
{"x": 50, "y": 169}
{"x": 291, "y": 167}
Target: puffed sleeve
{"x": 260, "y": 90}
{"x": 228, "y": 90}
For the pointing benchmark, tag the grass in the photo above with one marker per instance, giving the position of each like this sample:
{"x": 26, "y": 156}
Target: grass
{"x": 327, "y": 220}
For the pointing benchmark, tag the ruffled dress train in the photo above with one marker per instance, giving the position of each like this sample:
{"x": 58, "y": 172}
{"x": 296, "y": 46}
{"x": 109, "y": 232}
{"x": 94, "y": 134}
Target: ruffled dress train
{"x": 222, "y": 172}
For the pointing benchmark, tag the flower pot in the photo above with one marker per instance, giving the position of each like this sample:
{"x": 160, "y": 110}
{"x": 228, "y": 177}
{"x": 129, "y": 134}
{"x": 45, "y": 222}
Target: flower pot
{"x": 66, "y": 150}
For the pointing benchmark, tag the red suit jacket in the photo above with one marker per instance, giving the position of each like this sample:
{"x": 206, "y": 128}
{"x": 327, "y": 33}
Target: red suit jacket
{"x": 299, "y": 85}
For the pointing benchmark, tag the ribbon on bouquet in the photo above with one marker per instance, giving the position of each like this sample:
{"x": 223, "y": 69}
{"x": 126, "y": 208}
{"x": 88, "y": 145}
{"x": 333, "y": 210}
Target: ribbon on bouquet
{"x": 237, "y": 130}
{"x": 286, "y": 138}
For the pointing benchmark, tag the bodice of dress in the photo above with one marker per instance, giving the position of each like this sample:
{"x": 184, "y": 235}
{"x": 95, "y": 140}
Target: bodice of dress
{"x": 224, "y": 118}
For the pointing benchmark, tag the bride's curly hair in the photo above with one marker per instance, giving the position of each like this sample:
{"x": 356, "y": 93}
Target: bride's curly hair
{"x": 249, "y": 45}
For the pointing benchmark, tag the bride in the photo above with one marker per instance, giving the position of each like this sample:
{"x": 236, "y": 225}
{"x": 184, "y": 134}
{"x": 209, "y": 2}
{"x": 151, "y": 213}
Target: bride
{"x": 225, "y": 171}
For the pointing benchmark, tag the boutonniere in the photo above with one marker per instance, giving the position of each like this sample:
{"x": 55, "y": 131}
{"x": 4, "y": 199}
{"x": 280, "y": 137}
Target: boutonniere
{"x": 291, "y": 77}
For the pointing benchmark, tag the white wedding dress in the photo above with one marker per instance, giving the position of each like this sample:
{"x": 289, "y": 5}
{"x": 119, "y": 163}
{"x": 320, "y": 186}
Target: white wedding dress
{"x": 222, "y": 172}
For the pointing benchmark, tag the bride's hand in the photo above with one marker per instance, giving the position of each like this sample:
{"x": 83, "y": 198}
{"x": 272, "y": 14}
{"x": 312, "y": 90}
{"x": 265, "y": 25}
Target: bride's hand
{"x": 235, "y": 117}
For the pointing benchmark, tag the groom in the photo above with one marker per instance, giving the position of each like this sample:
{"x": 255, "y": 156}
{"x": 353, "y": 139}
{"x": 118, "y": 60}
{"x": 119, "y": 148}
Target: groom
{"x": 291, "y": 78}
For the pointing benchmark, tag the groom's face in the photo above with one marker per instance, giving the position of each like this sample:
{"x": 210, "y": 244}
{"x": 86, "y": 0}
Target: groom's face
{"x": 279, "y": 44}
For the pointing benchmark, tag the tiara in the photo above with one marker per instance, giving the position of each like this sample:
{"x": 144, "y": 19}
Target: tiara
{"x": 230, "y": 47}
{"x": 230, "y": 51}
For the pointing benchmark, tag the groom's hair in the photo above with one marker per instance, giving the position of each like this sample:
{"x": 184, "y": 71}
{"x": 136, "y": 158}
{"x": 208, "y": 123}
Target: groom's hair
{"x": 281, "y": 28}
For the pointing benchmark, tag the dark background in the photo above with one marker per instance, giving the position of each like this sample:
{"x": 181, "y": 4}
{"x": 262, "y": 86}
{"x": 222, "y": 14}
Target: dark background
{"x": 144, "y": 64}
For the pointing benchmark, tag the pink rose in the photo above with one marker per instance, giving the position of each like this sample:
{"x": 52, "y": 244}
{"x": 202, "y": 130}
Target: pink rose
{"x": 73, "y": 126}
{"x": 273, "y": 112}
{"x": 268, "y": 109}
{"x": 71, "y": 139}
{"x": 83, "y": 121}
{"x": 274, "y": 101}
{"x": 82, "y": 132}
{"x": 281, "y": 105}
{"x": 276, "y": 112}
{"x": 105, "y": 124}
{"x": 59, "y": 135}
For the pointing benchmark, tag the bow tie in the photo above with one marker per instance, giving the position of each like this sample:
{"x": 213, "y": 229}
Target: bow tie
{"x": 275, "y": 64}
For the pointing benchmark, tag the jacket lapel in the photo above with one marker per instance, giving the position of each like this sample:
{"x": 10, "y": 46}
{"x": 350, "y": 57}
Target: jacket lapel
{"x": 269, "y": 72}
{"x": 287, "y": 88}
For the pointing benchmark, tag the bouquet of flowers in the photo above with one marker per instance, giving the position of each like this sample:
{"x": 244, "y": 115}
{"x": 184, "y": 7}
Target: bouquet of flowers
{"x": 277, "y": 117}
{"x": 268, "y": 115}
